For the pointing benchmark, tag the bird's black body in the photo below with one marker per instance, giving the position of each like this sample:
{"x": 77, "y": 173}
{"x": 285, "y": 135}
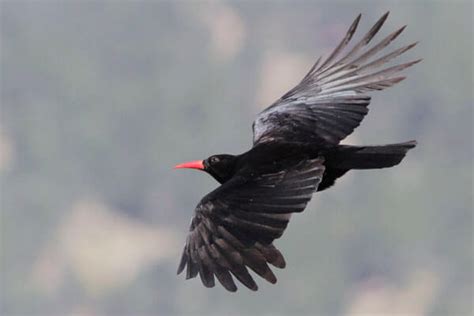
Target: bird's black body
{"x": 260, "y": 159}
{"x": 267, "y": 157}
{"x": 296, "y": 152}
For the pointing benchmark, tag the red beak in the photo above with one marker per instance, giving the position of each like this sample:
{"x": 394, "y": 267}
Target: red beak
{"x": 197, "y": 164}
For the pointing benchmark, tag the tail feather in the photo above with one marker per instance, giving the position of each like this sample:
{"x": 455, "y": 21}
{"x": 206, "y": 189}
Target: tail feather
{"x": 344, "y": 158}
{"x": 369, "y": 157}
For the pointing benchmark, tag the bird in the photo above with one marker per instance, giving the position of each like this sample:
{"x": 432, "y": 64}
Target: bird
{"x": 296, "y": 152}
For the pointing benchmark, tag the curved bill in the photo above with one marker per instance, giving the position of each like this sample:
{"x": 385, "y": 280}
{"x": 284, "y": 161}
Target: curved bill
{"x": 197, "y": 164}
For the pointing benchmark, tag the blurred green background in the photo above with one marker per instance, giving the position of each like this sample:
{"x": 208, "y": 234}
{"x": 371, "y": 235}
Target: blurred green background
{"x": 99, "y": 99}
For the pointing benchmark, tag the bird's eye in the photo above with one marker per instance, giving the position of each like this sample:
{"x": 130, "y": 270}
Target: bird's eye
{"x": 214, "y": 159}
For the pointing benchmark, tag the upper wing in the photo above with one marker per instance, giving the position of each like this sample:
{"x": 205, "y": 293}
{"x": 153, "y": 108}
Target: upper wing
{"x": 330, "y": 101}
{"x": 235, "y": 225}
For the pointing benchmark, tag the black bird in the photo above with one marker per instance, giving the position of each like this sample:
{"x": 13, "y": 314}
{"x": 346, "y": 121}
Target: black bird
{"x": 295, "y": 153}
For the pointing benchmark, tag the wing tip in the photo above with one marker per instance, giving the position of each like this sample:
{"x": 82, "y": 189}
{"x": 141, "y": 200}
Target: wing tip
{"x": 413, "y": 44}
{"x": 398, "y": 79}
{"x": 380, "y": 21}
{"x": 376, "y": 28}
{"x": 354, "y": 24}
{"x": 182, "y": 263}
{"x": 208, "y": 285}
{"x": 279, "y": 262}
{"x": 268, "y": 275}
{"x": 398, "y": 32}
{"x": 416, "y": 61}
{"x": 207, "y": 279}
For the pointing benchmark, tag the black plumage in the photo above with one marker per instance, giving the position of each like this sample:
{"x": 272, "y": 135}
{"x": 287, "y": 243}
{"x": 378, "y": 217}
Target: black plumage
{"x": 295, "y": 153}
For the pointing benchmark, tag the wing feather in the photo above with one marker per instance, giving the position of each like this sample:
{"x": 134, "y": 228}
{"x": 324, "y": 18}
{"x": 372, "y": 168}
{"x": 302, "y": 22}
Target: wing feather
{"x": 330, "y": 101}
{"x": 234, "y": 226}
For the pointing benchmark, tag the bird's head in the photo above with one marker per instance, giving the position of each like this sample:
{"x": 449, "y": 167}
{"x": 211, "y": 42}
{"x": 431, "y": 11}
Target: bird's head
{"x": 220, "y": 167}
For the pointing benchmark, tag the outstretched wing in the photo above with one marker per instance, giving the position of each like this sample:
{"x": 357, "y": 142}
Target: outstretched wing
{"x": 235, "y": 225}
{"x": 331, "y": 100}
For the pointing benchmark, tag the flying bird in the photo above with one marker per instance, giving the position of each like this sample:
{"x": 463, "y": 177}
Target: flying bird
{"x": 295, "y": 153}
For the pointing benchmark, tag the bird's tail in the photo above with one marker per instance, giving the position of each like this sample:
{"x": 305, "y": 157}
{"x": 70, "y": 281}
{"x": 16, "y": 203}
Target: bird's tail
{"x": 345, "y": 157}
{"x": 369, "y": 157}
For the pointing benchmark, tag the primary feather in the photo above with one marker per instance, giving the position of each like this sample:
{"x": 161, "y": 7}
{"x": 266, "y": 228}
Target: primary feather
{"x": 331, "y": 100}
